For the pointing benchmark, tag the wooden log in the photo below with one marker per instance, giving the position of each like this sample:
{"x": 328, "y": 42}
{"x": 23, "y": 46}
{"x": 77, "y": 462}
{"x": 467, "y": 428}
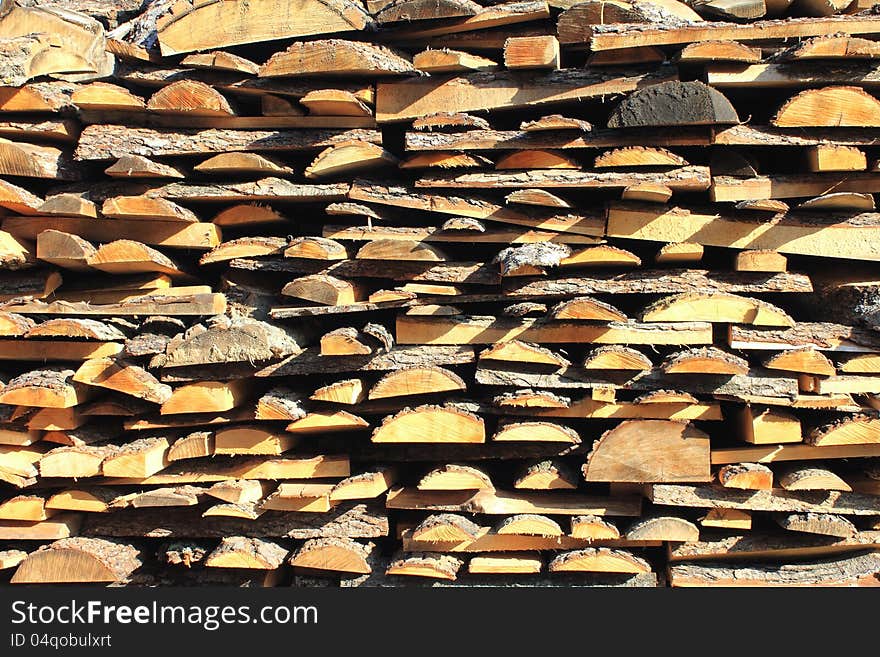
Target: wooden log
{"x": 335, "y": 102}
{"x": 835, "y": 47}
{"x": 237, "y": 340}
{"x": 850, "y": 430}
{"x": 716, "y": 308}
{"x": 707, "y": 360}
{"x": 768, "y": 426}
{"x": 679, "y": 252}
{"x": 64, "y": 250}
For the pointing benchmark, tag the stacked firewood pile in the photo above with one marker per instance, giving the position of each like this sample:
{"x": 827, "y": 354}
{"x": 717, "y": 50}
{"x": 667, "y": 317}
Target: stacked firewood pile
{"x": 428, "y": 292}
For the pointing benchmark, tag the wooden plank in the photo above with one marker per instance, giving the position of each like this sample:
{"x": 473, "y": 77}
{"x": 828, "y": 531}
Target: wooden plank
{"x": 790, "y": 452}
{"x": 198, "y": 235}
{"x": 793, "y": 75}
{"x": 729, "y": 188}
{"x": 110, "y": 142}
{"x": 601, "y": 37}
{"x": 849, "y": 236}
{"x": 410, "y": 99}
{"x": 507, "y": 503}
{"x": 683, "y": 179}
{"x": 489, "y": 330}
{"x": 709, "y": 497}
{"x": 658, "y": 281}
{"x": 487, "y": 140}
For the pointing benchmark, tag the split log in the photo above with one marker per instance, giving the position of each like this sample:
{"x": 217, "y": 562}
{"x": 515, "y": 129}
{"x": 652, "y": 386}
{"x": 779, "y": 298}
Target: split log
{"x": 529, "y": 524}
{"x": 194, "y": 445}
{"x": 138, "y": 459}
{"x": 123, "y": 377}
{"x": 850, "y": 106}
{"x": 746, "y": 476}
{"x": 335, "y": 102}
{"x": 673, "y": 103}
{"x": 706, "y": 360}
{"x": 184, "y": 29}
{"x": 324, "y": 289}
{"x": 365, "y": 485}
{"x": 507, "y": 503}
{"x": 546, "y": 475}
{"x": 649, "y": 450}
{"x": 220, "y": 60}
{"x": 445, "y": 60}
{"x": 336, "y": 57}
{"x": 663, "y": 528}
{"x": 536, "y": 432}
{"x": 822, "y": 524}
{"x": 47, "y": 388}
{"x": 79, "y": 560}
{"x": 425, "y": 564}
{"x": 617, "y": 357}
{"x": 397, "y": 11}
{"x": 719, "y": 51}
{"x": 850, "y": 430}
{"x": 241, "y": 552}
{"x": 431, "y": 424}
{"x": 416, "y": 381}
{"x": 333, "y": 555}
{"x": 599, "y": 560}
{"x": 444, "y": 528}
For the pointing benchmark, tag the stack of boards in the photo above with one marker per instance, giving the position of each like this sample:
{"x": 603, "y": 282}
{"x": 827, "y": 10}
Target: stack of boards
{"x": 435, "y": 293}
